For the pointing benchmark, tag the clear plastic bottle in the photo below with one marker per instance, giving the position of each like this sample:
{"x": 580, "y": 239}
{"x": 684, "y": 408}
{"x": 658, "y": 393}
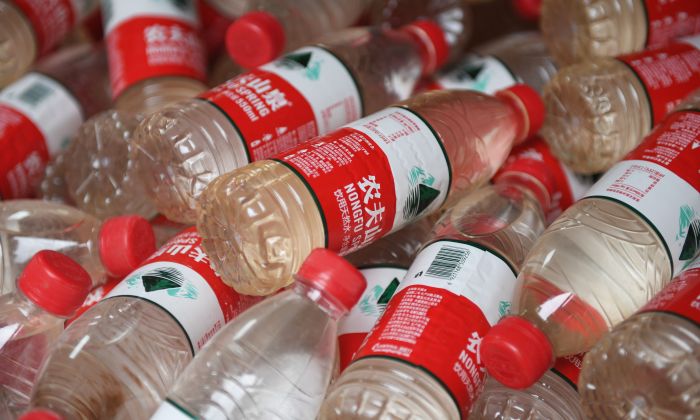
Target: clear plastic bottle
{"x": 260, "y": 221}
{"x": 42, "y": 111}
{"x": 421, "y": 358}
{"x": 276, "y": 359}
{"x": 309, "y": 92}
{"x": 116, "y": 246}
{"x": 33, "y": 28}
{"x": 605, "y": 256}
{"x": 50, "y": 289}
{"x": 599, "y": 110}
{"x": 131, "y": 346}
{"x": 649, "y": 366}
{"x": 264, "y": 29}
{"x": 578, "y": 31}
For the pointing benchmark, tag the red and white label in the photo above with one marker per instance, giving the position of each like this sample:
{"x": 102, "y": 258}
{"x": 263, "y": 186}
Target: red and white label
{"x": 178, "y": 279}
{"x": 448, "y": 300}
{"x": 53, "y": 19}
{"x": 569, "y": 368}
{"x": 668, "y": 74}
{"x": 382, "y": 282}
{"x": 660, "y": 180}
{"x": 304, "y": 94}
{"x": 152, "y": 38}
{"x": 485, "y": 74}
{"x": 373, "y": 176}
{"x": 681, "y": 296}
{"x": 38, "y": 117}
{"x": 669, "y": 19}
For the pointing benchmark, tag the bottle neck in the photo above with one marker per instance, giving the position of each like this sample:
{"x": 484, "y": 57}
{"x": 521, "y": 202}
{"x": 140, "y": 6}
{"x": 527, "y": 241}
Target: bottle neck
{"x": 425, "y": 48}
{"x": 29, "y": 308}
{"x": 522, "y": 117}
{"x": 323, "y": 300}
{"x": 529, "y": 185}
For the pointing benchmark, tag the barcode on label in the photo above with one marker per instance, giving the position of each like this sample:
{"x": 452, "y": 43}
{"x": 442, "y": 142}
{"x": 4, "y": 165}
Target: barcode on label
{"x": 447, "y": 262}
{"x": 35, "y": 93}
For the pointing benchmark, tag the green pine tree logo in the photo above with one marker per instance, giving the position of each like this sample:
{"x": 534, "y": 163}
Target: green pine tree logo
{"x": 421, "y": 195}
{"x": 169, "y": 279}
{"x": 688, "y": 230}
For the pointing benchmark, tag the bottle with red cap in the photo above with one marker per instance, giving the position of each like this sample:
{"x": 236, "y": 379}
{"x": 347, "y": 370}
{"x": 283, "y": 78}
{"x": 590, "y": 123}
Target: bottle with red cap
{"x": 42, "y": 111}
{"x": 606, "y": 255}
{"x": 131, "y": 346}
{"x": 51, "y": 287}
{"x": 263, "y": 29}
{"x": 649, "y": 366}
{"x": 349, "y": 188}
{"x": 277, "y": 358}
{"x": 31, "y": 28}
{"x": 115, "y": 247}
{"x": 306, "y": 93}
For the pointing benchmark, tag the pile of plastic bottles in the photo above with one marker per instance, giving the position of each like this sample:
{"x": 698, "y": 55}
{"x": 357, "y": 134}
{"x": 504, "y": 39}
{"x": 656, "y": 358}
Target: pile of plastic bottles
{"x": 365, "y": 209}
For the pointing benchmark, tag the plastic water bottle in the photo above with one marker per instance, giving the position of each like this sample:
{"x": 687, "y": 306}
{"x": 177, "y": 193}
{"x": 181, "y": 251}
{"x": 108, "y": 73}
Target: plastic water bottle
{"x": 41, "y": 112}
{"x": 599, "y": 110}
{"x": 605, "y": 256}
{"x": 306, "y": 93}
{"x": 32, "y": 28}
{"x": 50, "y": 289}
{"x": 131, "y": 346}
{"x": 116, "y": 247}
{"x": 649, "y": 365}
{"x": 349, "y": 188}
{"x": 580, "y": 30}
{"x": 264, "y": 29}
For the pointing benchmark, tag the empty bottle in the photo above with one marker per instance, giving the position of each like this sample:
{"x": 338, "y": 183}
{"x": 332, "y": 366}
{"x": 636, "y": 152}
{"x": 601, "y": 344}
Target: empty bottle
{"x": 599, "y": 110}
{"x": 32, "y": 28}
{"x": 116, "y": 246}
{"x": 41, "y": 112}
{"x": 383, "y": 264}
{"x": 649, "y": 366}
{"x": 516, "y": 58}
{"x": 309, "y": 92}
{"x": 552, "y": 397}
{"x": 421, "y": 359}
{"x": 349, "y": 188}
{"x": 130, "y": 347}
{"x": 276, "y": 359}
{"x": 605, "y": 256}
{"x": 580, "y": 30}
{"x": 264, "y": 29}
{"x": 51, "y": 288}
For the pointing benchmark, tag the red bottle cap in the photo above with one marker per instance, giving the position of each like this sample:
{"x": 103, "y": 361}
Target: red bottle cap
{"x": 430, "y": 36}
{"x": 527, "y": 99}
{"x": 125, "y": 242}
{"x": 55, "y": 283}
{"x": 254, "y": 39}
{"x": 334, "y": 275}
{"x": 528, "y": 9}
{"x": 40, "y": 414}
{"x": 516, "y": 353}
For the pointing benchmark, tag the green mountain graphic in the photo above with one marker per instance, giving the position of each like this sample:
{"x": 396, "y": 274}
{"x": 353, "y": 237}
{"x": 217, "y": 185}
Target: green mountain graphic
{"x": 420, "y": 197}
{"x": 692, "y": 241}
{"x": 388, "y": 293}
{"x": 474, "y": 71}
{"x": 162, "y": 278}
{"x": 301, "y": 59}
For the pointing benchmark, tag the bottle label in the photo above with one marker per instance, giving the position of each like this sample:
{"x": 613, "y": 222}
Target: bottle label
{"x": 151, "y": 38}
{"x": 569, "y": 368}
{"x": 373, "y": 176}
{"x": 168, "y": 410}
{"x": 38, "y": 117}
{"x": 659, "y": 180}
{"x": 681, "y": 297}
{"x": 668, "y": 74}
{"x": 450, "y": 297}
{"x": 667, "y": 20}
{"x": 485, "y": 74}
{"x": 304, "y": 94}
{"x": 382, "y": 282}
{"x": 179, "y": 280}
{"x": 53, "y": 19}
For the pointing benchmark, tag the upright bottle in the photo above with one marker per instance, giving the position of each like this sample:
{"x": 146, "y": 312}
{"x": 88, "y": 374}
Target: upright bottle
{"x": 599, "y": 110}
{"x": 155, "y": 58}
{"x": 50, "y": 289}
{"x": 309, "y": 92}
{"x": 349, "y": 188}
{"x": 276, "y": 359}
{"x": 117, "y": 246}
{"x": 576, "y": 31}
{"x": 41, "y": 112}
{"x": 421, "y": 359}
{"x": 130, "y": 347}
{"x": 264, "y": 29}
{"x": 649, "y": 365}
{"x": 32, "y": 28}
{"x": 605, "y": 256}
